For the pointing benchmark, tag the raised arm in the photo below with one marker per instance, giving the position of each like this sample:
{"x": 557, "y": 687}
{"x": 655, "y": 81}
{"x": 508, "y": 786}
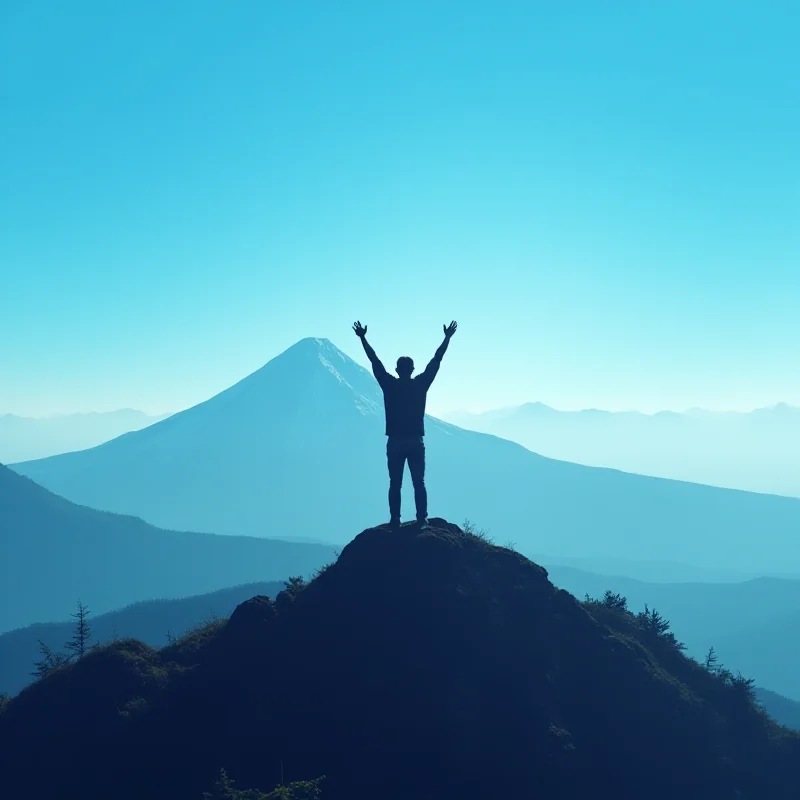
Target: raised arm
{"x": 378, "y": 370}
{"x": 433, "y": 366}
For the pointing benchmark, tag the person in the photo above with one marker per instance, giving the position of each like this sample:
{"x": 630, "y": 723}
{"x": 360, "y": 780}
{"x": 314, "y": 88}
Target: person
{"x": 404, "y": 400}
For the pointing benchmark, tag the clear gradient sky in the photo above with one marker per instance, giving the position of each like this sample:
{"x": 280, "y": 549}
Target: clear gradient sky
{"x": 605, "y": 195}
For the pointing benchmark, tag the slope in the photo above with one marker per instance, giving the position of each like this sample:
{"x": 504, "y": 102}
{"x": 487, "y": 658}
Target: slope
{"x": 768, "y": 650}
{"x": 783, "y": 710}
{"x": 149, "y": 621}
{"x": 298, "y": 447}
{"x": 53, "y": 552}
{"x": 418, "y": 665}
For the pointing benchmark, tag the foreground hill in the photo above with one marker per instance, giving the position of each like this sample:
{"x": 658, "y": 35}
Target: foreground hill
{"x": 757, "y": 451}
{"x": 156, "y": 622}
{"x": 298, "y": 447}
{"x": 750, "y": 624}
{"x": 152, "y": 622}
{"x": 53, "y": 552}
{"x": 422, "y": 665}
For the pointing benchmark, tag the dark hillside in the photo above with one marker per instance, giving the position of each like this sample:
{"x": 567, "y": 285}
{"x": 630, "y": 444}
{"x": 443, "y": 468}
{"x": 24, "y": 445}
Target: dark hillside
{"x": 424, "y": 665}
{"x": 150, "y": 621}
{"x": 53, "y": 552}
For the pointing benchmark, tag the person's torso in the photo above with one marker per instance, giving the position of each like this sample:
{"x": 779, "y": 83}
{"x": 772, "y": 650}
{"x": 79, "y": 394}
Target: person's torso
{"x": 404, "y": 401}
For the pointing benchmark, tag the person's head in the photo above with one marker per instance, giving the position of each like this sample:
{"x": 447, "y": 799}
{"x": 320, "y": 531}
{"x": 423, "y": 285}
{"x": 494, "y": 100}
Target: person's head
{"x": 405, "y": 366}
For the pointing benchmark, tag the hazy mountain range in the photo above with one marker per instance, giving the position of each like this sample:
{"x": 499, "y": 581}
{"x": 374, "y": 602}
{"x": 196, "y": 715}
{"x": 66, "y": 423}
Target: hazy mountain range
{"x": 53, "y": 552}
{"x": 297, "y": 450}
{"x": 757, "y": 451}
{"x": 25, "y": 438}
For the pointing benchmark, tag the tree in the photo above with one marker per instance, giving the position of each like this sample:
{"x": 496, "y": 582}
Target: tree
{"x": 651, "y": 621}
{"x": 744, "y": 687}
{"x": 49, "y": 661}
{"x": 614, "y": 600}
{"x": 79, "y": 643}
{"x": 711, "y": 662}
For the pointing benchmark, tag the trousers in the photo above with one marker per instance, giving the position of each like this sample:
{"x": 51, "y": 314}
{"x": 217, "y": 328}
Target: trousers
{"x": 400, "y": 449}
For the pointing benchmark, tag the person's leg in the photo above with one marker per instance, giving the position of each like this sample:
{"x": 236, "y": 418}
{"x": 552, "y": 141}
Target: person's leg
{"x": 416, "y": 464}
{"x": 396, "y": 459}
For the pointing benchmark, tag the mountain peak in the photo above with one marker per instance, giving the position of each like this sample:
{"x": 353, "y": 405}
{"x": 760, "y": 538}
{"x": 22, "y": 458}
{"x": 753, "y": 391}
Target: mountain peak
{"x": 311, "y": 374}
{"x": 309, "y": 352}
{"x": 310, "y": 345}
{"x": 536, "y": 407}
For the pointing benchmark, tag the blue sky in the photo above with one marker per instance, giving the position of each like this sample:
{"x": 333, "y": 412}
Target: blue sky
{"x": 605, "y": 195}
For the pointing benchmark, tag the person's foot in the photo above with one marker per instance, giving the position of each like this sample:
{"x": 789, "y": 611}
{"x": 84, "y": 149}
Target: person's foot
{"x": 423, "y": 523}
{"x": 394, "y": 523}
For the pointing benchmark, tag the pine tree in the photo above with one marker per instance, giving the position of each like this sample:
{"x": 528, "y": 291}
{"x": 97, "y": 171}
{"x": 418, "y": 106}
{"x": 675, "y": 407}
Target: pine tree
{"x": 614, "y": 600}
{"x": 79, "y": 643}
{"x": 49, "y": 661}
{"x": 711, "y": 660}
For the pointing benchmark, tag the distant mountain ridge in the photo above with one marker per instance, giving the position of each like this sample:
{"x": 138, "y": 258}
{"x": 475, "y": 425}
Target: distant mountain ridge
{"x": 53, "y": 552}
{"x": 298, "y": 447}
{"x": 25, "y": 438}
{"x": 752, "y": 451}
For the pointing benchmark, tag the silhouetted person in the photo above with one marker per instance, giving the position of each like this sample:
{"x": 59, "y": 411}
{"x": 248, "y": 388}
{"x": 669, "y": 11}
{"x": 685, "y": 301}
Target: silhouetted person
{"x": 404, "y": 400}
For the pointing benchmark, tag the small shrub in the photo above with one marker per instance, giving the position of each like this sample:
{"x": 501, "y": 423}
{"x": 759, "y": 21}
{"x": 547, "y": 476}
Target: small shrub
{"x": 324, "y": 568}
{"x": 209, "y": 622}
{"x": 225, "y": 789}
{"x": 295, "y": 585}
{"x": 197, "y": 635}
{"x": 476, "y": 533}
{"x": 137, "y": 704}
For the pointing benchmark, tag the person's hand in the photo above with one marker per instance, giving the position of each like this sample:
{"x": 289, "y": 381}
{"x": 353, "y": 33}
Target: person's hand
{"x": 450, "y": 329}
{"x": 360, "y": 330}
